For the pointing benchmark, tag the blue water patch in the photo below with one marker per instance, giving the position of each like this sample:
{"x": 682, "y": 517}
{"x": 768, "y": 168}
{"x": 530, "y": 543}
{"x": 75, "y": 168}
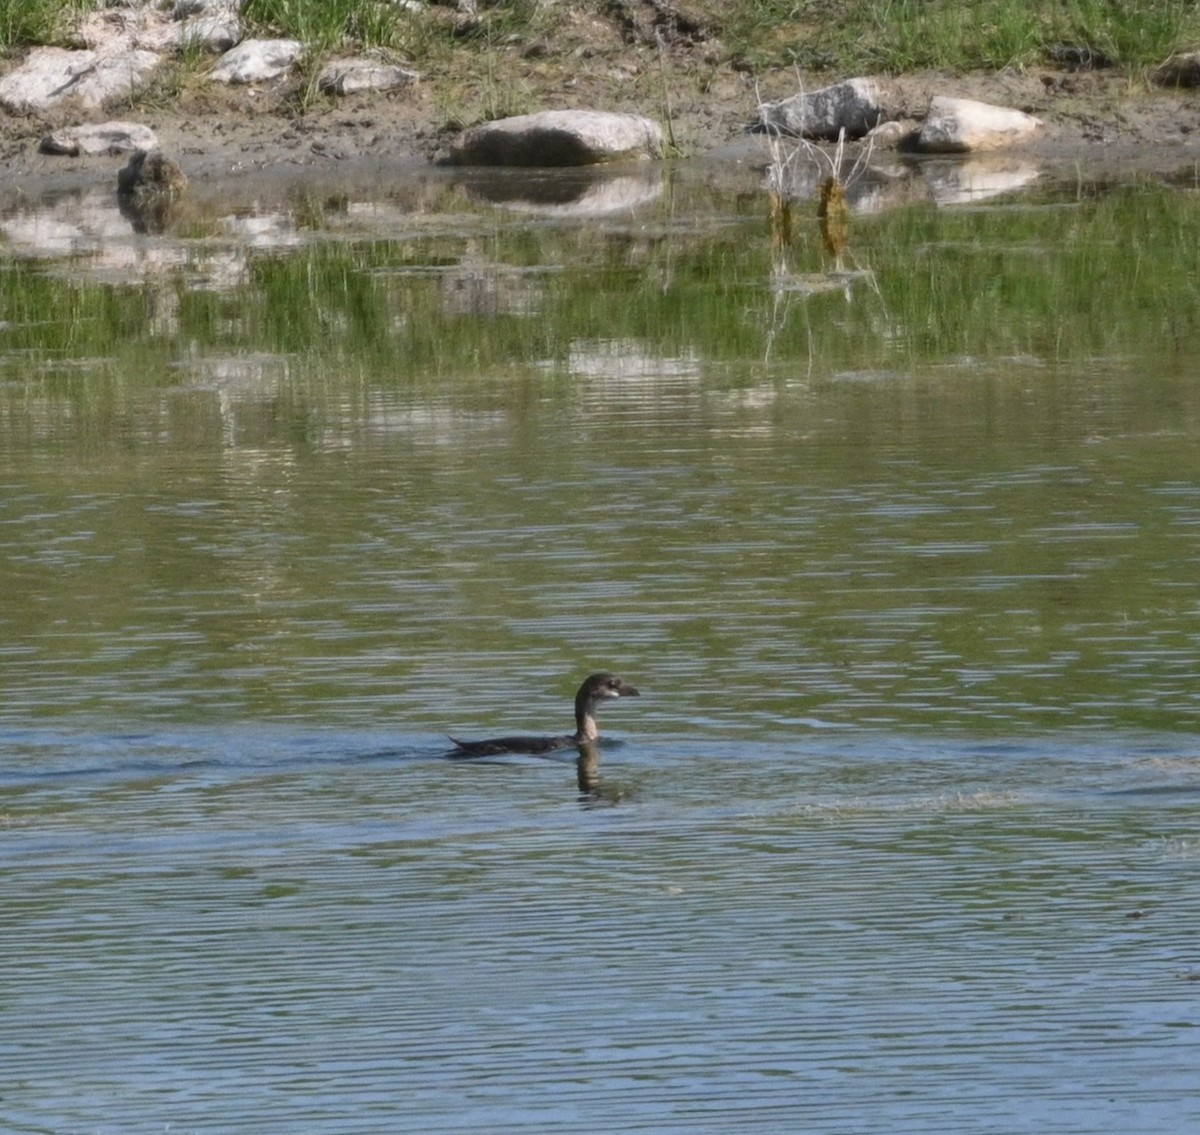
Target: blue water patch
{"x": 268, "y": 930}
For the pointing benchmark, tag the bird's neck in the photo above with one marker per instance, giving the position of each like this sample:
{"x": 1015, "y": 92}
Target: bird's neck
{"x": 585, "y": 721}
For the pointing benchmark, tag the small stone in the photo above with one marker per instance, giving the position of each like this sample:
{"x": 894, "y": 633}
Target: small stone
{"x": 889, "y": 135}
{"x": 349, "y": 76}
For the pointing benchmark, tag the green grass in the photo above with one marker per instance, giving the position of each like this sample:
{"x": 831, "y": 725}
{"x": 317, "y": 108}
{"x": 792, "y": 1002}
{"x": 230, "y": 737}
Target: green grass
{"x": 331, "y": 24}
{"x": 903, "y": 35}
{"x": 28, "y": 23}
{"x": 868, "y": 35}
{"x": 334, "y": 25}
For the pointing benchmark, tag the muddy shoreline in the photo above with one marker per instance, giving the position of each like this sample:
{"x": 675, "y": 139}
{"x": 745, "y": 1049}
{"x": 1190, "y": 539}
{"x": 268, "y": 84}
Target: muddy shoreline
{"x": 1097, "y": 124}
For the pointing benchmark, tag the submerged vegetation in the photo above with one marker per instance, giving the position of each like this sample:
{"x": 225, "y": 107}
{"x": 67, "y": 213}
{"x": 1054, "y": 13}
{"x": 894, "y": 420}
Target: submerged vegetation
{"x": 868, "y": 35}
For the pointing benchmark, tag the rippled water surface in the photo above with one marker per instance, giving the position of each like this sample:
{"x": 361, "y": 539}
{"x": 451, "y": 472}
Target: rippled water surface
{"x": 901, "y": 834}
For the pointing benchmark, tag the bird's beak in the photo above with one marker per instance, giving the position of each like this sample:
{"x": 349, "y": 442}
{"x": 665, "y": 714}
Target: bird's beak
{"x": 625, "y": 690}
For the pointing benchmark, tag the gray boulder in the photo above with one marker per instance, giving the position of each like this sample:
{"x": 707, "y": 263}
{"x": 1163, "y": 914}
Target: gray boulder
{"x": 558, "y": 138}
{"x": 853, "y": 106}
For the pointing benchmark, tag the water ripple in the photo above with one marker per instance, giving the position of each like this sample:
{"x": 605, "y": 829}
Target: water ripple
{"x": 273, "y": 931}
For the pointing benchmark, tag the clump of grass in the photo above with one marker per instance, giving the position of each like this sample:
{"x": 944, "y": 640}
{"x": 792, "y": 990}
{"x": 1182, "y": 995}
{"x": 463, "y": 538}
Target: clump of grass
{"x": 25, "y": 23}
{"x": 992, "y": 34}
{"x": 1136, "y": 35}
{"x": 905, "y": 35}
{"x": 331, "y": 24}
{"x": 327, "y": 25}
{"x": 833, "y": 211}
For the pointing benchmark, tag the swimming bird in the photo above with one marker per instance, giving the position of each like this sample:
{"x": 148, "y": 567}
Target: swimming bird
{"x": 597, "y": 688}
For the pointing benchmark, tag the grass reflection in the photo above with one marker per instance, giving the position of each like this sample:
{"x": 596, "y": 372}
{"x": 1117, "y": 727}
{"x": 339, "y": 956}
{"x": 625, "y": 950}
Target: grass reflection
{"x": 1093, "y": 278}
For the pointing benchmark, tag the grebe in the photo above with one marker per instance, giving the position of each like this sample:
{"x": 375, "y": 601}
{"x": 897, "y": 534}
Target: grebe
{"x": 595, "y": 689}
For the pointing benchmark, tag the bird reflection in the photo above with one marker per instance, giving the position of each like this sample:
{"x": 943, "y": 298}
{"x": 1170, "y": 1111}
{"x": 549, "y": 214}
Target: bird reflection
{"x": 593, "y": 792}
{"x": 587, "y": 768}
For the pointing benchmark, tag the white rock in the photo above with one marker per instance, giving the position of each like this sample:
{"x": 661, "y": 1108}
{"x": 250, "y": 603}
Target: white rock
{"x": 218, "y": 32}
{"x": 100, "y": 138}
{"x": 347, "y": 76}
{"x": 962, "y": 125}
{"x": 46, "y": 71}
{"x": 854, "y": 106}
{"x": 256, "y": 60}
{"x": 51, "y": 75}
{"x": 116, "y": 77}
{"x": 558, "y": 138}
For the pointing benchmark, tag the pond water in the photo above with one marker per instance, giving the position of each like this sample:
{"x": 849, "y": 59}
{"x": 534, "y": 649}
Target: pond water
{"x": 902, "y": 551}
